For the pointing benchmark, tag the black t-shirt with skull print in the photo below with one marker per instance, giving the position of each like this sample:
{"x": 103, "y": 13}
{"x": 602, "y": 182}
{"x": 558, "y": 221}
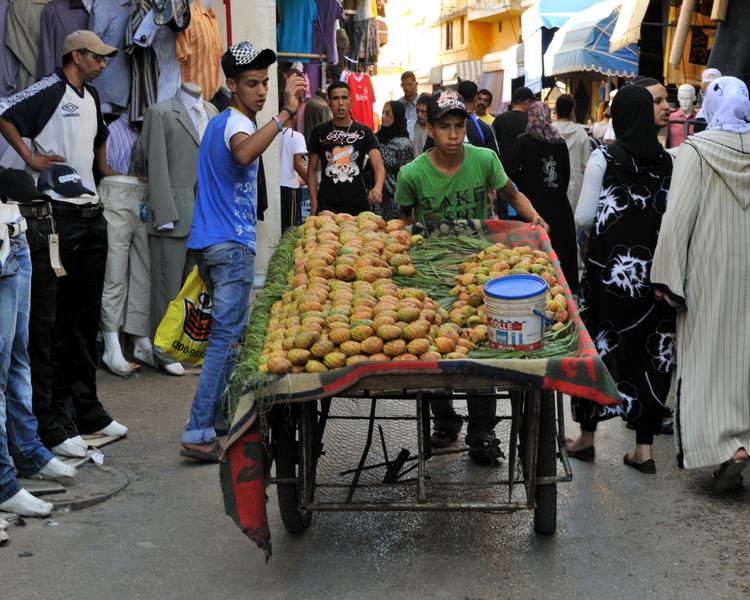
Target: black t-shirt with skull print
{"x": 342, "y": 152}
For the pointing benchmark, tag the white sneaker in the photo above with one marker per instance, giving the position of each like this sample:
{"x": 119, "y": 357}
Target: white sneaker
{"x": 169, "y": 364}
{"x": 174, "y": 368}
{"x": 26, "y": 505}
{"x": 115, "y": 429}
{"x": 56, "y": 469}
{"x": 69, "y": 448}
{"x": 80, "y": 441}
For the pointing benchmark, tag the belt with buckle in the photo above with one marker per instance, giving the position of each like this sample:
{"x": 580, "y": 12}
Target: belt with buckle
{"x": 35, "y": 210}
{"x": 84, "y": 211}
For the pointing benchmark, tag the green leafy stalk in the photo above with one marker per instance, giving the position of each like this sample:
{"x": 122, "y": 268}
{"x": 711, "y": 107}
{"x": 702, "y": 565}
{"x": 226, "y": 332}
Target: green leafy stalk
{"x": 246, "y": 376}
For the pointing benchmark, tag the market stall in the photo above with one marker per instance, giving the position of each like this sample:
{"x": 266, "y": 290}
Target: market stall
{"x": 436, "y": 273}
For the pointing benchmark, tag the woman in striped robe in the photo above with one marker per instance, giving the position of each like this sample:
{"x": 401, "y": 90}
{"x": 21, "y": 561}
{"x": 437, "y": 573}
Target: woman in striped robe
{"x": 702, "y": 263}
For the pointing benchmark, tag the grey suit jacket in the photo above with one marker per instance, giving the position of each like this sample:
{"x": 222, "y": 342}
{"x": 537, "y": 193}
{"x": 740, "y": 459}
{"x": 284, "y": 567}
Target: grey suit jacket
{"x": 170, "y": 145}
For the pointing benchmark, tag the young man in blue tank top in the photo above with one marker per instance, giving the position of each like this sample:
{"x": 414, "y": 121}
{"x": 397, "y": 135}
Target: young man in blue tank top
{"x": 222, "y": 234}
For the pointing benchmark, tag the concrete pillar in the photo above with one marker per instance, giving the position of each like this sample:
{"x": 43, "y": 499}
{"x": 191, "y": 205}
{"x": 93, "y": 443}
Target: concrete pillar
{"x": 256, "y": 22}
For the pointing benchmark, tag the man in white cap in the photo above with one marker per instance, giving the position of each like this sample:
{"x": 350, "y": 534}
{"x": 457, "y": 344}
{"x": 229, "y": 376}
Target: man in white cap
{"x": 222, "y": 235}
{"x": 62, "y": 117}
{"x": 707, "y": 77}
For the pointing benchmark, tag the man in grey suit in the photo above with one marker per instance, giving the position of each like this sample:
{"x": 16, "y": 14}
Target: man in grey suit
{"x": 172, "y": 131}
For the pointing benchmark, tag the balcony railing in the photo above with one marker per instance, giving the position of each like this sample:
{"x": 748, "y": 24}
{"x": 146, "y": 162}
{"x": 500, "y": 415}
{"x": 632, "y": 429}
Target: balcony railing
{"x": 497, "y": 5}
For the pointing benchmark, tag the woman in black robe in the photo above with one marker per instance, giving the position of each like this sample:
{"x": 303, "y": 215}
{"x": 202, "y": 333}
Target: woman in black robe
{"x": 633, "y": 332}
{"x": 540, "y": 167}
{"x": 397, "y": 150}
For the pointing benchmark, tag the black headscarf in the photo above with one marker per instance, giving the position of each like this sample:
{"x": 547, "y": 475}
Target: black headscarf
{"x": 633, "y": 121}
{"x": 640, "y": 161}
{"x": 398, "y": 128}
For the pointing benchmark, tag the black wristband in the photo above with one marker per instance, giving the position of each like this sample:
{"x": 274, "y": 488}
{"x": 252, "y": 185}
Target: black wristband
{"x": 291, "y": 112}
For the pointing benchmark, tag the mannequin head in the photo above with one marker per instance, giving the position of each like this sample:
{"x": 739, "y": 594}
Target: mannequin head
{"x": 686, "y": 98}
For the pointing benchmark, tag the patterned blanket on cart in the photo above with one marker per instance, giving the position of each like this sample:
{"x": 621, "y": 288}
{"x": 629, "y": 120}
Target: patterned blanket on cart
{"x": 582, "y": 374}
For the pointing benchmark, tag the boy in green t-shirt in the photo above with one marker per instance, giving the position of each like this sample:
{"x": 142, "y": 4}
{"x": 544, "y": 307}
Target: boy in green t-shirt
{"x": 450, "y": 182}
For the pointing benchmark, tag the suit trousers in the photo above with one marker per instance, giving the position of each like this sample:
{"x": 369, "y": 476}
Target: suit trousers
{"x": 170, "y": 265}
{"x": 126, "y": 298}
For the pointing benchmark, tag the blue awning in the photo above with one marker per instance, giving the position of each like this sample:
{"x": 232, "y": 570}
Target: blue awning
{"x": 582, "y": 44}
{"x": 548, "y": 15}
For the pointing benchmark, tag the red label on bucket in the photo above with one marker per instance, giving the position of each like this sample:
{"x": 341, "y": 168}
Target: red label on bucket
{"x": 508, "y": 334}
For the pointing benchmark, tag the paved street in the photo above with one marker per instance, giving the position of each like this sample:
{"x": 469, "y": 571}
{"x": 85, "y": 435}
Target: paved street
{"x": 621, "y": 534}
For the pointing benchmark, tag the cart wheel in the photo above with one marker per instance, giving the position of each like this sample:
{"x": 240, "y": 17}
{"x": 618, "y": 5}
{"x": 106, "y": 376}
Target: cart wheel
{"x": 294, "y": 441}
{"x": 545, "y": 496}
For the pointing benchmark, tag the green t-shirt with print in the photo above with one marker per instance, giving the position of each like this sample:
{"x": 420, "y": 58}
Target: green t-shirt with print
{"x": 439, "y": 197}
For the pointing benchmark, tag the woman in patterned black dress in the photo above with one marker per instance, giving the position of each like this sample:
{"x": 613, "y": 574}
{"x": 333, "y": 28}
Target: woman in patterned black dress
{"x": 397, "y": 151}
{"x": 633, "y": 332}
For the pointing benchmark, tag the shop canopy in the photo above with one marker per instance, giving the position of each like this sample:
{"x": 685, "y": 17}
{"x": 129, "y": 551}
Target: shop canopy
{"x": 628, "y": 27}
{"x": 582, "y": 44}
{"x": 469, "y": 70}
{"x": 544, "y": 15}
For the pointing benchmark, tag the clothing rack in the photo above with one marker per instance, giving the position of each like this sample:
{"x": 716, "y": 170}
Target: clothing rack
{"x": 320, "y": 57}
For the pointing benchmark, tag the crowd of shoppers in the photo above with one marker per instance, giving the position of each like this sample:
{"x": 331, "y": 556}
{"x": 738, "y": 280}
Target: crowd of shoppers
{"x": 667, "y": 317}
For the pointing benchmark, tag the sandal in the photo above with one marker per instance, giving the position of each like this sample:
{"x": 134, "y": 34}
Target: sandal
{"x": 586, "y": 454}
{"x": 212, "y": 455}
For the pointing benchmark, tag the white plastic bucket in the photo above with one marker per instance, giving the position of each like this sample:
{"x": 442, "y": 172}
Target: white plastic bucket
{"x": 515, "y": 308}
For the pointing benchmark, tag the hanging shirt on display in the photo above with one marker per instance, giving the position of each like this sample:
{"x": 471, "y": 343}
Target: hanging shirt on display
{"x": 292, "y": 142}
{"x": 8, "y": 62}
{"x": 120, "y": 142}
{"x": 23, "y": 30}
{"x": 60, "y": 18}
{"x": 199, "y": 50}
{"x": 109, "y": 20}
{"x": 60, "y": 120}
{"x": 366, "y": 10}
{"x": 363, "y": 97}
{"x": 170, "y": 70}
{"x": 139, "y": 36}
{"x": 295, "y": 32}
{"x": 324, "y": 29}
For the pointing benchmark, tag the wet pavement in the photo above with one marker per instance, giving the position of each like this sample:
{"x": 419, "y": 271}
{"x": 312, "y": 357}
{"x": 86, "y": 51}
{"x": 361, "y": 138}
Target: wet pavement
{"x": 620, "y": 534}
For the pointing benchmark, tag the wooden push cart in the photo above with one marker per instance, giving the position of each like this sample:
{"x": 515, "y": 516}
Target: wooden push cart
{"x": 383, "y": 429}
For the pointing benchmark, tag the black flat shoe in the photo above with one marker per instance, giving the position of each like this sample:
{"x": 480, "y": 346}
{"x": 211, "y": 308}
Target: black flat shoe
{"x": 647, "y": 466}
{"x": 442, "y": 438}
{"x": 485, "y": 453}
{"x": 583, "y": 454}
{"x": 729, "y": 474}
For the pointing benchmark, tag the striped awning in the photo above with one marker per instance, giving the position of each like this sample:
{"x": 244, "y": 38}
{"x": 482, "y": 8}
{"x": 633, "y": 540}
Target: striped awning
{"x": 467, "y": 70}
{"x": 628, "y": 27}
{"x": 582, "y": 44}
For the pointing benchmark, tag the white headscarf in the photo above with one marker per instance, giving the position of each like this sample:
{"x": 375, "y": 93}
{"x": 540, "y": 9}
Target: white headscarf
{"x": 727, "y": 105}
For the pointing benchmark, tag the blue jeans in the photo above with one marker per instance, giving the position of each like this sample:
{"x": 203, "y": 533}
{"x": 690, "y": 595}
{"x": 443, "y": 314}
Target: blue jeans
{"x": 18, "y": 426}
{"x": 227, "y": 269}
